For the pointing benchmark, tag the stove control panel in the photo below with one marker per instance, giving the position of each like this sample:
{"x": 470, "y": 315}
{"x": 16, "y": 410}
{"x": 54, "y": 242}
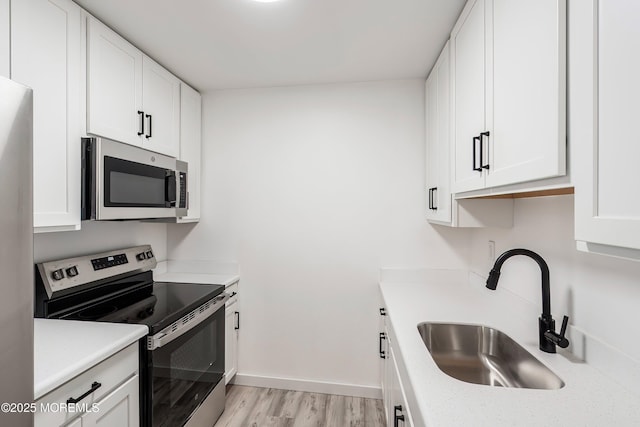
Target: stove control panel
{"x": 60, "y": 276}
{"x": 109, "y": 261}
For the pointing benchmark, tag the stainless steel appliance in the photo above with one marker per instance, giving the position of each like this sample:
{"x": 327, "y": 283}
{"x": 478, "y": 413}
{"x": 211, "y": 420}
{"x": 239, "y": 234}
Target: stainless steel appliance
{"x": 120, "y": 181}
{"x": 182, "y": 358}
{"x": 16, "y": 249}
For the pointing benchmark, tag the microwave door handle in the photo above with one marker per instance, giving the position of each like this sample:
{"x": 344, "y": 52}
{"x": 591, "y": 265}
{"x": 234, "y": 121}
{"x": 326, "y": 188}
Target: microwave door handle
{"x": 170, "y": 189}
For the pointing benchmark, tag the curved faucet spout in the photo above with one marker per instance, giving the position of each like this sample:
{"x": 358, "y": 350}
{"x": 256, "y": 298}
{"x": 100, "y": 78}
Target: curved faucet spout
{"x": 494, "y": 275}
{"x": 546, "y": 325}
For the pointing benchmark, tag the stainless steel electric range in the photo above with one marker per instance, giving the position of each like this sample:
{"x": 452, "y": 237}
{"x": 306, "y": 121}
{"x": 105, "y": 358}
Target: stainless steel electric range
{"x": 182, "y": 358}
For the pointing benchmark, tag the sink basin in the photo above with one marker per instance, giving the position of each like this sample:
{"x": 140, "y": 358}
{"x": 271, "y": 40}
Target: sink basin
{"x": 482, "y": 355}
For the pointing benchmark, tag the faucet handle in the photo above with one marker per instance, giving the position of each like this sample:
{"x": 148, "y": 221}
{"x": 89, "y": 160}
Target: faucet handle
{"x": 559, "y": 339}
{"x": 563, "y": 329}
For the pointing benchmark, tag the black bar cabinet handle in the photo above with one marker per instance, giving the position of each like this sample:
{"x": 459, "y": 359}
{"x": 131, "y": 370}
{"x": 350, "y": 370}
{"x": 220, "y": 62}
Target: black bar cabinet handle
{"x": 434, "y": 198}
{"x": 141, "y": 132}
{"x": 482, "y": 165}
{"x": 237, "y": 314}
{"x": 150, "y": 125}
{"x": 396, "y": 417}
{"x": 96, "y": 385}
{"x": 475, "y": 153}
{"x": 430, "y": 200}
{"x": 383, "y": 355}
{"x": 383, "y": 312}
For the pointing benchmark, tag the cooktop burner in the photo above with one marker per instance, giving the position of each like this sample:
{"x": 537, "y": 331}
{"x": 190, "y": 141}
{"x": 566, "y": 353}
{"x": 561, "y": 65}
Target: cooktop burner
{"x": 95, "y": 313}
{"x": 157, "y": 307}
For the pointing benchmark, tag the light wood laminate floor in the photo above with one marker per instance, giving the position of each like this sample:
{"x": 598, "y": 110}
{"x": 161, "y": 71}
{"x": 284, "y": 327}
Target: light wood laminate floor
{"x": 268, "y": 407}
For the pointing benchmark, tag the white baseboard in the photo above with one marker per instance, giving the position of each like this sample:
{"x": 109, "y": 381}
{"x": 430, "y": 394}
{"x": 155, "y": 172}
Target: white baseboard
{"x": 309, "y": 386}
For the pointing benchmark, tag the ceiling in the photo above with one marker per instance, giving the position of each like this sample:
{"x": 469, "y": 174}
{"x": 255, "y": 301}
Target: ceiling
{"x": 219, "y": 44}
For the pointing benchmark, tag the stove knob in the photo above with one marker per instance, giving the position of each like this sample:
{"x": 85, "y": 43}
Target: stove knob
{"x": 141, "y": 256}
{"x": 72, "y": 271}
{"x": 57, "y": 275}
{"x": 149, "y": 254}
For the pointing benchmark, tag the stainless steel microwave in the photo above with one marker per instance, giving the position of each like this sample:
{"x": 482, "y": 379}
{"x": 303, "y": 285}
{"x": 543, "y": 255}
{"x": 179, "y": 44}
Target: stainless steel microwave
{"x": 121, "y": 182}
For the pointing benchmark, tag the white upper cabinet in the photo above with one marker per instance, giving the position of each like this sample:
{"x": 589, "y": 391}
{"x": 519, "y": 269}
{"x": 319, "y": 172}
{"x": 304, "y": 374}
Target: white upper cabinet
{"x": 604, "y": 113}
{"x": 508, "y": 67}
{"x": 161, "y": 106}
{"x": 442, "y": 209}
{"x": 468, "y": 76}
{"x": 49, "y": 61}
{"x": 114, "y": 86}
{"x": 5, "y": 38}
{"x": 437, "y": 140}
{"x": 191, "y": 147}
{"x": 130, "y": 97}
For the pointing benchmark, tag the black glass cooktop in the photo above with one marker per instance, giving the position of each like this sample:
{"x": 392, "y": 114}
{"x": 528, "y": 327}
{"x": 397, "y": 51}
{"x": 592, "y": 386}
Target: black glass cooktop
{"x": 156, "y": 305}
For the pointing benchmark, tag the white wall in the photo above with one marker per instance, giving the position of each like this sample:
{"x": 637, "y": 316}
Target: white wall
{"x": 100, "y": 236}
{"x": 600, "y": 294}
{"x": 312, "y": 190}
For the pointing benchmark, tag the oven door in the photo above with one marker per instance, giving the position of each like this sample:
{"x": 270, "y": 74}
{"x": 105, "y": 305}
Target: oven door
{"x": 127, "y": 182}
{"x": 182, "y": 372}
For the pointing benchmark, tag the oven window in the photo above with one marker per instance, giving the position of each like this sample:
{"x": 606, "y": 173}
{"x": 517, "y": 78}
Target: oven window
{"x": 185, "y": 370}
{"x": 131, "y": 184}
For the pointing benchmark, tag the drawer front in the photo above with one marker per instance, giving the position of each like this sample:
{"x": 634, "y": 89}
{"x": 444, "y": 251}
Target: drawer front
{"x": 232, "y": 290}
{"x": 110, "y": 373}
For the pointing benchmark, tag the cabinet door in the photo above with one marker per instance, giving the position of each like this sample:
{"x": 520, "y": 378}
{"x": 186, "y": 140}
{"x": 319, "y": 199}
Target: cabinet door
{"x": 525, "y": 90}
{"x": 468, "y": 71}
{"x": 4, "y": 38}
{"x": 231, "y": 343}
{"x": 120, "y": 408}
{"x": 387, "y": 385}
{"x": 161, "y": 105}
{"x": 191, "y": 146}
{"x": 114, "y": 85}
{"x": 442, "y": 196}
{"x": 397, "y": 408}
{"x": 56, "y": 104}
{"x": 607, "y": 209}
{"x": 382, "y": 344}
{"x": 431, "y": 136}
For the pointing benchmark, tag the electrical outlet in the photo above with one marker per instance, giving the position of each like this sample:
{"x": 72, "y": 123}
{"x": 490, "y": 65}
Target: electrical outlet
{"x": 491, "y": 252}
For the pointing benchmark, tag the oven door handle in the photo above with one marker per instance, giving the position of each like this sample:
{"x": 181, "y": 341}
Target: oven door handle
{"x": 195, "y": 317}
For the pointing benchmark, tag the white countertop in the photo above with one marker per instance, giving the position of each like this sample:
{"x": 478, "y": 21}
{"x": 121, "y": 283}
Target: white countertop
{"x": 63, "y": 349}
{"x": 435, "y": 399}
{"x": 202, "y": 278}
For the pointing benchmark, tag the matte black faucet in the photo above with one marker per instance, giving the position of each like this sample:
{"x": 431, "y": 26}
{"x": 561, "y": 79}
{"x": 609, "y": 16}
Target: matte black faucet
{"x": 546, "y": 325}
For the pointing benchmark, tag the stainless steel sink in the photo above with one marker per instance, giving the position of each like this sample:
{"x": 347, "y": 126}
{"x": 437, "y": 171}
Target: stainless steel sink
{"x": 482, "y": 355}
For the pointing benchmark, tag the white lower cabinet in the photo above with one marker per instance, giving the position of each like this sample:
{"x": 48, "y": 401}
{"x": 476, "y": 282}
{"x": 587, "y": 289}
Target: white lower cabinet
{"x": 232, "y": 328}
{"x": 394, "y": 398}
{"x": 398, "y": 406}
{"x": 106, "y": 395}
{"x": 119, "y": 409}
{"x": 48, "y": 33}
